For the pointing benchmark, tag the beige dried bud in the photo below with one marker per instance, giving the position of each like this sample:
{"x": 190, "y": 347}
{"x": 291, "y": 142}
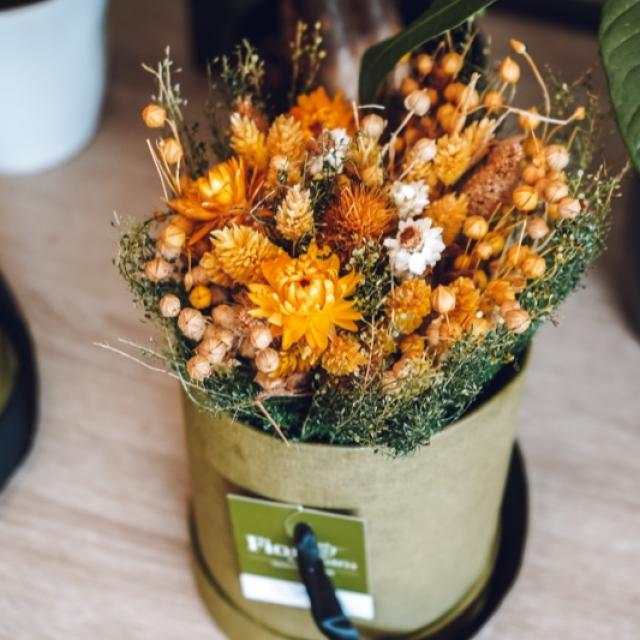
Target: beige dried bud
{"x": 173, "y": 237}
{"x": 484, "y": 250}
{"x": 475, "y": 227}
{"x": 518, "y": 46}
{"x": 198, "y": 368}
{"x": 569, "y": 208}
{"x": 557, "y": 156}
{"x": 154, "y": 116}
{"x": 433, "y": 332}
{"x": 171, "y": 150}
{"x": 218, "y": 333}
{"x": 260, "y": 337}
{"x": 417, "y": 102}
{"x": 267, "y": 360}
{"x": 268, "y": 383}
{"x": 424, "y": 64}
{"x": 525, "y": 197}
{"x": 443, "y": 299}
{"x": 246, "y": 349}
{"x": 537, "y": 228}
{"x": 509, "y": 305}
{"x": 226, "y": 316}
{"x": 166, "y": 251}
{"x": 373, "y": 126}
{"x": 424, "y": 150}
{"x": 517, "y": 320}
{"x": 169, "y": 306}
{"x": 213, "y": 349}
{"x": 195, "y": 276}
{"x": 408, "y": 85}
{"x": 555, "y": 191}
{"x": 509, "y": 71}
{"x": 157, "y": 270}
{"x": 533, "y": 267}
{"x": 192, "y": 323}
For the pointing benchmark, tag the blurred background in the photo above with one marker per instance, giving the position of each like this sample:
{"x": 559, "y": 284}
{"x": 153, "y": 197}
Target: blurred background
{"x": 93, "y": 535}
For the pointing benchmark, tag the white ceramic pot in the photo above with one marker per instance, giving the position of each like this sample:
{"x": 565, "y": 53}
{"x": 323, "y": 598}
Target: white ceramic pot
{"x": 52, "y": 70}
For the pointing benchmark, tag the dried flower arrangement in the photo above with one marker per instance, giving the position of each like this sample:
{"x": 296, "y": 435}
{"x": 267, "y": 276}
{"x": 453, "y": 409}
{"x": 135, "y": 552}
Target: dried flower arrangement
{"x": 358, "y": 274}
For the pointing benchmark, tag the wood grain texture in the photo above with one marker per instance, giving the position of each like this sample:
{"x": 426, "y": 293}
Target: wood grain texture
{"x": 93, "y": 536}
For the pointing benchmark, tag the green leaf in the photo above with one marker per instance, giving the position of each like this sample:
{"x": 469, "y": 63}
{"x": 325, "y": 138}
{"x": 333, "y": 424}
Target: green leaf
{"x": 440, "y": 17}
{"x": 620, "y": 50}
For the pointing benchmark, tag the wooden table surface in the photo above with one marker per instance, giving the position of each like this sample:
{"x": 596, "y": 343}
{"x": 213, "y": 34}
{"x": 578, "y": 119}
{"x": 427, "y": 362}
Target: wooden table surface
{"x": 93, "y": 535}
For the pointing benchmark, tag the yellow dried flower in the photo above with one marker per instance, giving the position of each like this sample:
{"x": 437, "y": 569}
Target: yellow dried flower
{"x": 294, "y": 218}
{"x": 409, "y": 304}
{"x": 241, "y": 251}
{"x": 200, "y": 297}
{"x": 448, "y": 213}
{"x": 215, "y": 273}
{"x": 248, "y": 141}
{"x": 306, "y": 298}
{"x": 478, "y": 134}
{"x": 343, "y": 356}
{"x": 452, "y": 159}
{"x": 356, "y": 215}
{"x": 298, "y": 359}
{"x": 467, "y": 300}
{"x": 286, "y": 138}
{"x": 316, "y": 111}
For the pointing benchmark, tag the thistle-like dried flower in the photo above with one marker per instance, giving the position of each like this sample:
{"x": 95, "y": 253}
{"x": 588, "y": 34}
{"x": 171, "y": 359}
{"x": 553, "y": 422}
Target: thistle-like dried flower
{"x": 286, "y": 138}
{"x": 198, "y": 368}
{"x": 248, "y": 141}
{"x": 240, "y": 251}
{"x": 408, "y": 305}
{"x": 452, "y": 159}
{"x": 192, "y": 323}
{"x": 294, "y": 218}
{"x": 343, "y": 356}
{"x": 169, "y": 306}
{"x": 448, "y": 213}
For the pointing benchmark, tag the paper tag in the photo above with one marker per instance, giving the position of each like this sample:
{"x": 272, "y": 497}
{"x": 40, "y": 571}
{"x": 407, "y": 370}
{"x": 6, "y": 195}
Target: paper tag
{"x": 263, "y": 533}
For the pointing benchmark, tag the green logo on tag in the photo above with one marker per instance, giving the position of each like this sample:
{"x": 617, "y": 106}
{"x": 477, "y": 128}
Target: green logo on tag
{"x": 263, "y": 533}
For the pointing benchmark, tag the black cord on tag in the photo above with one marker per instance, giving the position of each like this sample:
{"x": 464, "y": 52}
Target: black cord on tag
{"x": 326, "y": 609}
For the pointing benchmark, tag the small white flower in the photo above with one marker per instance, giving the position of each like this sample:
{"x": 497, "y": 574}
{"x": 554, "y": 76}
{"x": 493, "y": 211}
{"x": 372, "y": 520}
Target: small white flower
{"x": 416, "y": 247}
{"x": 336, "y": 144}
{"x": 410, "y": 198}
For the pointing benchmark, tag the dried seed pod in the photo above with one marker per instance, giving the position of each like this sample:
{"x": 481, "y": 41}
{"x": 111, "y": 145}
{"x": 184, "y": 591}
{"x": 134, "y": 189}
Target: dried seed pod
{"x": 480, "y": 279}
{"x": 517, "y": 320}
{"x": 268, "y": 383}
{"x": 462, "y": 262}
{"x": 154, "y": 116}
{"x": 525, "y": 197}
{"x": 451, "y": 63}
{"x": 478, "y": 327}
{"x": 192, "y": 323}
{"x": 226, "y": 316}
{"x": 509, "y": 305}
{"x": 169, "y": 306}
{"x": 557, "y": 156}
{"x": 424, "y": 150}
{"x": 408, "y": 85}
{"x": 373, "y": 125}
{"x": 417, "y": 102}
{"x": 569, "y": 208}
{"x": 532, "y": 173}
{"x": 218, "y": 333}
{"x": 533, "y": 267}
{"x": 260, "y": 337}
{"x": 537, "y": 228}
{"x": 195, "y": 276}
{"x": 213, "y": 349}
{"x": 483, "y": 250}
{"x": 443, "y": 299}
{"x": 509, "y": 71}
{"x": 157, "y": 270}
{"x": 475, "y": 227}
{"x": 493, "y": 100}
{"x": 171, "y": 150}
{"x": 555, "y": 191}
{"x": 424, "y": 64}
{"x": 198, "y": 368}
{"x": 529, "y": 120}
{"x": 267, "y": 360}
{"x": 246, "y": 349}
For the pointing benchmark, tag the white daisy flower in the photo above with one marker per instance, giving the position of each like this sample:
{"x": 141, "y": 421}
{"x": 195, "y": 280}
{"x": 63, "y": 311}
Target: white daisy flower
{"x": 410, "y": 198}
{"x": 416, "y": 247}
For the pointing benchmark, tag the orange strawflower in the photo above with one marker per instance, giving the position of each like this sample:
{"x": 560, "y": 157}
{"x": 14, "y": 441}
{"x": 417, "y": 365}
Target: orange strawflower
{"x": 219, "y": 197}
{"x": 343, "y": 356}
{"x": 409, "y": 304}
{"x": 306, "y": 298}
{"x": 316, "y": 111}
